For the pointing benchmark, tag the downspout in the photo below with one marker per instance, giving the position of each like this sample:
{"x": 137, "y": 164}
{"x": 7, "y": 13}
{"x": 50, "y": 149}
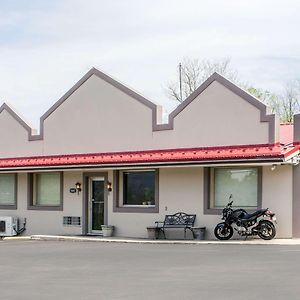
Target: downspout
{"x": 296, "y": 183}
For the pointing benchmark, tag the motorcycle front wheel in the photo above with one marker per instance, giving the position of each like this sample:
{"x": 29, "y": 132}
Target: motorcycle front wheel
{"x": 267, "y": 230}
{"x": 223, "y": 231}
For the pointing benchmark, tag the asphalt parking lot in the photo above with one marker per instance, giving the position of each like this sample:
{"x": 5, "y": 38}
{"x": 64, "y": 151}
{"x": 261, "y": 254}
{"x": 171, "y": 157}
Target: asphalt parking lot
{"x": 85, "y": 270}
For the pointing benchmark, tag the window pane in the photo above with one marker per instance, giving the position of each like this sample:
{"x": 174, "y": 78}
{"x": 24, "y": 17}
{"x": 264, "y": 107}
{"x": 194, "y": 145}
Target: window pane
{"x": 139, "y": 188}
{"x": 7, "y": 189}
{"x": 241, "y": 183}
{"x": 48, "y": 189}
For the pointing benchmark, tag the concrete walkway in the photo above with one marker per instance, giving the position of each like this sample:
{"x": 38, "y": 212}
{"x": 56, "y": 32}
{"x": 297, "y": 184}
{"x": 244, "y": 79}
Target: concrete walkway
{"x": 255, "y": 241}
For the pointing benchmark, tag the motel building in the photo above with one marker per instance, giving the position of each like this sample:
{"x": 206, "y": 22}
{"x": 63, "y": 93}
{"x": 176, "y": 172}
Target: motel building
{"x": 102, "y": 155}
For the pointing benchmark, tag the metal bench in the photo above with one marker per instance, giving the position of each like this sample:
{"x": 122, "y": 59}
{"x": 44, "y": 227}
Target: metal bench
{"x": 178, "y": 220}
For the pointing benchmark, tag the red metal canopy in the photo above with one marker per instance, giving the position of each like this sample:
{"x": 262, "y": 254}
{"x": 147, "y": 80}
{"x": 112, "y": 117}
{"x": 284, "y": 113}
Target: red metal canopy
{"x": 262, "y": 152}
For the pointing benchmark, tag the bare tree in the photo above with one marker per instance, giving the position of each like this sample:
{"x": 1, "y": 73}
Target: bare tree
{"x": 285, "y": 105}
{"x": 194, "y": 72}
{"x": 290, "y": 101}
{"x": 272, "y": 100}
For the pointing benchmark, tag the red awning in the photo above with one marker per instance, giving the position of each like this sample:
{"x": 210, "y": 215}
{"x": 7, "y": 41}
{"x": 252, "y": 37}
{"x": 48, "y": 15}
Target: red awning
{"x": 245, "y": 153}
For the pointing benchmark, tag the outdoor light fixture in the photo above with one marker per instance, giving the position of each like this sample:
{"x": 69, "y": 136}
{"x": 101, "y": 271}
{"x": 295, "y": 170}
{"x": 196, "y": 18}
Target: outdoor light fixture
{"x": 78, "y": 187}
{"x": 273, "y": 167}
{"x": 109, "y": 186}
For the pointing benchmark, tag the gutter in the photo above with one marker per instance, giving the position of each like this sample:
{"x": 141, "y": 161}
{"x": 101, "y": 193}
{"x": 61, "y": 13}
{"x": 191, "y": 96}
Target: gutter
{"x": 277, "y": 161}
{"x": 158, "y": 158}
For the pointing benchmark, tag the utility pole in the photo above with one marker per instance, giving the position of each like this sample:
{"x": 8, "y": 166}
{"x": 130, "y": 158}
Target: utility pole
{"x": 180, "y": 81}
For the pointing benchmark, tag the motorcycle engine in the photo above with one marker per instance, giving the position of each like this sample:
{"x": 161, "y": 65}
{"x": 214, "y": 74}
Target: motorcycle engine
{"x": 241, "y": 230}
{"x": 246, "y": 231}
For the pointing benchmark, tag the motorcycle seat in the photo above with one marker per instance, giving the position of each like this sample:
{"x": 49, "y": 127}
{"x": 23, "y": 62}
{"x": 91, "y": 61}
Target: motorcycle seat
{"x": 254, "y": 215}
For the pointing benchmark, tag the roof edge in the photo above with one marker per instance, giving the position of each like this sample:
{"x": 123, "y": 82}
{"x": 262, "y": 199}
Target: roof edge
{"x": 264, "y": 117}
{"x": 5, "y": 106}
{"x": 249, "y": 153}
{"x": 109, "y": 80}
{"x": 271, "y": 119}
{"x": 209, "y": 148}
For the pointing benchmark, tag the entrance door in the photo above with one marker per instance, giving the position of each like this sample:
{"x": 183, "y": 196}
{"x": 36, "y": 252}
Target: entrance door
{"x": 96, "y": 204}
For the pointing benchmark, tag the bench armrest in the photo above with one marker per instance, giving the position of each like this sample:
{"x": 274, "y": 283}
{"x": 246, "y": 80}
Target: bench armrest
{"x": 159, "y": 222}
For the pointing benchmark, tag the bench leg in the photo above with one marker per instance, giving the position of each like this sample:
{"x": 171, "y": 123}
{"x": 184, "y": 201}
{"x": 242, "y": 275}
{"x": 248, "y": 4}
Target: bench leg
{"x": 157, "y": 230}
{"x": 192, "y": 231}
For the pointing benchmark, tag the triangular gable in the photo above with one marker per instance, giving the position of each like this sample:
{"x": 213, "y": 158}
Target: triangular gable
{"x": 15, "y": 115}
{"x": 264, "y": 117}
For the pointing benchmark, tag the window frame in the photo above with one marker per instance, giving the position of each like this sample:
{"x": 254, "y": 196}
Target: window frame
{"x": 32, "y": 191}
{"x": 208, "y": 189}
{"x": 15, "y": 205}
{"x": 120, "y": 207}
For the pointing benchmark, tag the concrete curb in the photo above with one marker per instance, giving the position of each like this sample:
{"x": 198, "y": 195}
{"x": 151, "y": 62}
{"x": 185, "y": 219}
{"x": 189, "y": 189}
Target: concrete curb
{"x": 145, "y": 241}
{"x": 16, "y": 238}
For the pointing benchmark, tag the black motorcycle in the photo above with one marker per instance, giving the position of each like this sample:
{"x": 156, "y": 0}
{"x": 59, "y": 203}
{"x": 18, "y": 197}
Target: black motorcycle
{"x": 246, "y": 224}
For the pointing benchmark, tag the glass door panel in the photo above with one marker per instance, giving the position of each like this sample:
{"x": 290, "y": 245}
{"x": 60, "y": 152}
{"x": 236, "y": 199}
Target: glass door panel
{"x": 97, "y": 204}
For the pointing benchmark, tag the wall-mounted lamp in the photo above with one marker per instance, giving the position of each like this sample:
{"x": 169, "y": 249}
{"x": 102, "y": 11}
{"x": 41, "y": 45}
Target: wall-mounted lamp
{"x": 273, "y": 167}
{"x": 109, "y": 186}
{"x": 78, "y": 187}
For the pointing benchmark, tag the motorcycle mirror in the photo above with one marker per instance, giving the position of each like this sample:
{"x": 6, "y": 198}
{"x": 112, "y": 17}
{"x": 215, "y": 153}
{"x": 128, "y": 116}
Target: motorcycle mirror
{"x": 230, "y": 197}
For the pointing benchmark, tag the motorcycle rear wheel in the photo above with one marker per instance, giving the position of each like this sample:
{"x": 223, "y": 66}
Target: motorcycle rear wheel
{"x": 267, "y": 230}
{"x": 223, "y": 231}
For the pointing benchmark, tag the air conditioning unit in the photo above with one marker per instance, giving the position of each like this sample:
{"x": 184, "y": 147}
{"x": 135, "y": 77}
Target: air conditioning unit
{"x": 8, "y": 226}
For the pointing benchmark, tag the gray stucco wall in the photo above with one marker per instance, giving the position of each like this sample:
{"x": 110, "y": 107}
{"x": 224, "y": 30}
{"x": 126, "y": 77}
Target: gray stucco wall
{"x": 296, "y": 201}
{"x": 217, "y": 116}
{"x": 180, "y": 189}
{"x": 48, "y": 222}
{"x": 100, "y": 117}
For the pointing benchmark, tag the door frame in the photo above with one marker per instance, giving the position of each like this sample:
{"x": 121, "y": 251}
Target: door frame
{"x": 85, "y": 199}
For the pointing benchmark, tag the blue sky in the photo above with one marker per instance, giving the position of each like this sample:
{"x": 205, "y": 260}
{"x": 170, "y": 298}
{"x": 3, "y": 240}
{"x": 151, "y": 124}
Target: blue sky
{"x": 46, "y": 46}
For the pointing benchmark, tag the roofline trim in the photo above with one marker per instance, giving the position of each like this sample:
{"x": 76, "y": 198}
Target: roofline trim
{"x": 13, "y": 114}
{"x": 245, "y": 146}
{"x": 264, "y": 117}
{"x": 267, "y": 160}
{"x": 46, "y": 161}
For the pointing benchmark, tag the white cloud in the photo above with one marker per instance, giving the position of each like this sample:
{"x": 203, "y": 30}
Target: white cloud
{"x": 45, "y": 50}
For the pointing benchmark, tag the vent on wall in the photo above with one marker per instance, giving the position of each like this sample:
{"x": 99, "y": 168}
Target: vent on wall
{"x": 72, "y": 221}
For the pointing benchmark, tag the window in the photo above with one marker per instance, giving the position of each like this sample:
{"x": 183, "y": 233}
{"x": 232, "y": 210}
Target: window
{"x": 139, "y": 188}
{"x": 243, "y": 183}
{"x": 8, "y": 193}
{"x": 46, "y": 191}
{"x": 136, "y": 191}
